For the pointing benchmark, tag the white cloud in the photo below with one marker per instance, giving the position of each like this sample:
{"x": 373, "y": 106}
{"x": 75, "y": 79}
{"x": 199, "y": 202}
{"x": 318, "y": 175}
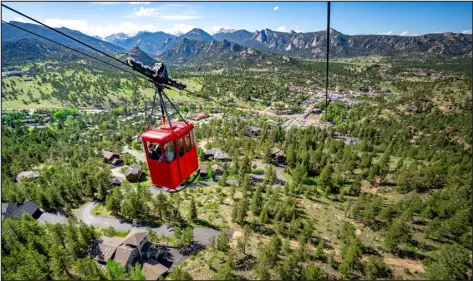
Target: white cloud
{"x": 20, "y": 19}
{"x": 406, "y": 33}
{"x": 276, "y": 8}
{"x": 282, "y": 28}
{"x": 385, "y": 33}
{"x": 107, "y": 3}
{"x": 179, "y": 27}
{"x": 101, "y": 30}
{"x": 167, "y": 12}
{"x": 466, "y": 32}
{"x": 138, "y": 3}
{"x": 216, "y": 28}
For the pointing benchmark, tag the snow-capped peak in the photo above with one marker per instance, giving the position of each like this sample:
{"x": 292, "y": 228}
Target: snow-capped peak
{"x": 223, "y": 30}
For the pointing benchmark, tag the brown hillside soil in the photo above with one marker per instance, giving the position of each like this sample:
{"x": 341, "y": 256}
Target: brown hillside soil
{"x": 399, "y": 265}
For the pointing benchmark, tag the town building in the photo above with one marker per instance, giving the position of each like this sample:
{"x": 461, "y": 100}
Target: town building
{"x": 17, "y": 210}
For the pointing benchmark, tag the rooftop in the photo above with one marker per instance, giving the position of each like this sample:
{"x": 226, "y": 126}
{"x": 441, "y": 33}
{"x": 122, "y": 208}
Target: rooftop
{"x": 135, "y": 237}
{"x": 153, "y": 269}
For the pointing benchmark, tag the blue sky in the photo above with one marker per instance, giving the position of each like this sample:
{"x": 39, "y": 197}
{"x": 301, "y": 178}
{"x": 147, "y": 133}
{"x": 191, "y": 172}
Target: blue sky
{"x": 397, "y": 18}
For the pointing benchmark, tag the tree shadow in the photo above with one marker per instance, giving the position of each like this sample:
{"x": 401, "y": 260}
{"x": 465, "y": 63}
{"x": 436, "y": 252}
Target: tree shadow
{"x": 191, "y": 249}
{"x": 247, "y": 262}
{"x": 207, "y": 224}
{"x": 410, "y": 254}
{"x": 422, "y": 246}
{"x": 369, "y": 250}
{"x": 261, "y": 229}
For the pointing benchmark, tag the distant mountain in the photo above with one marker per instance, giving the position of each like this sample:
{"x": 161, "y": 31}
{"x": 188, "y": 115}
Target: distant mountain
{"x": 116, "y": 37}
{"x": 313, "y": 44}
{"x": 97, "y": 37}
{"x": 11, "y": 34}
{"x": 25, "y": 51}
{"x": 197, "y": 34}
{"x": 140, "y": 56}
{"x": 223, "y": 30}
{"x": 194, "y": 34}
{"x": 237, "y": 36}
{"x": 193, "y": 51}
{"x": 150, "y": 42}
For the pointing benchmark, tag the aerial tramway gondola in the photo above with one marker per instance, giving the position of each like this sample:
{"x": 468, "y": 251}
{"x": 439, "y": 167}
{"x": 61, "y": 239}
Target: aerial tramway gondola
{"x": 170, "y": 149}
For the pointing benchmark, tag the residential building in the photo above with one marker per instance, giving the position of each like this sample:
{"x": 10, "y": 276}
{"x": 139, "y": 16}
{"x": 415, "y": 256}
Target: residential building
{"x": 133, "y": 173}
{"x": 17, "y": 210}
{"x": 252, "y": 131}
{"x": 111, "y": 157}
{"x": 217, "y": 154}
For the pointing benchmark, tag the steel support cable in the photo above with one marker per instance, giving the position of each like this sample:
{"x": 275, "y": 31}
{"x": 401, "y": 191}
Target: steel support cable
{"x": 327, "y": 60}
{"x": 72, "y": 49}
{"x": 62, "y": 33}
{"x": 80, "y": 42}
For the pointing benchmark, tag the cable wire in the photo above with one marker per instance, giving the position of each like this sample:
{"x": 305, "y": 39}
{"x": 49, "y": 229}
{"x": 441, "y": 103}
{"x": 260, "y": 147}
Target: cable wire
{"x": 327, "y": 60}
{"x": 80, "y": 52}
{"x": 68, "y": 36}
{"x": 80, "y": 42}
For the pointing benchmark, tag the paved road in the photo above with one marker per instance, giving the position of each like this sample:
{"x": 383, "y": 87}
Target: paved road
{"x": 201, "y": 235}
{"x": 140, "y": 156}
{"x": 51, "y": 218}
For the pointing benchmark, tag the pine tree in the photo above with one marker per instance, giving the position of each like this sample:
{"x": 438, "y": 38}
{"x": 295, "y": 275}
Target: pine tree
{"x": 325, "y": 177}
{"x": 267, "y": 156}
{"x": 319, "y": 252}
{"x": 256, "y": 201}
{"x": 452, "y": 262}
{"x": 264, "y": 216}
{"x": 313, "y": 272}
{"x": 351, "y": 259}
{"x": 192, "y": 211}
{"x": 396, "y": 234}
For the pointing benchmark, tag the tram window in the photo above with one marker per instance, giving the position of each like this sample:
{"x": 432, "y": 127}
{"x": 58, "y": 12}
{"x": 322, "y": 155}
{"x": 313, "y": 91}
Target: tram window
{"x": 192, "y": 137}
{"x": 180, "y": 147}
{"x": 169, "y": 151}
{"x": 188, "y": 142}
{"x": 155, "y": 152}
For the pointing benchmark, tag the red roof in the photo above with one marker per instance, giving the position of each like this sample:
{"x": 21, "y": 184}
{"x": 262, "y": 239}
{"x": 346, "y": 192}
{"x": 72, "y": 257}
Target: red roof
{"x": 164, "y": 134}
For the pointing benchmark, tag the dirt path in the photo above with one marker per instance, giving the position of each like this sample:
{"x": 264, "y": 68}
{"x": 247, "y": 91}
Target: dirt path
{"x": 399, "y": 265}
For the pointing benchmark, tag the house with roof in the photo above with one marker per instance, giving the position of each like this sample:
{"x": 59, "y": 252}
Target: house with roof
{"x": 251, "y": 131}
{"x": 111, "y": 157}
{"x": 277, "y": 155}
{"x": 152, "y": 270}
{"x": 200, "y": 116}
{"x": 203, "y": 171}
{"x": 127, "y": 251}
{"x": 131, "y": 246}
{"x": 133, "y": 173}
{"x": 124, "y": 251}
{"x": 17, "y": 210}
{"x": 217, "y": 169}
{"x": 217, "y": 154}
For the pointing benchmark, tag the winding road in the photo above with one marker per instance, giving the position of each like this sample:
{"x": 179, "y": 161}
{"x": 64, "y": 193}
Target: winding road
{"x": 201, "y": 235}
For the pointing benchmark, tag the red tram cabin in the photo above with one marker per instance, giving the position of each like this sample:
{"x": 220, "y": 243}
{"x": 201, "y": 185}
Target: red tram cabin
{"x": 171, "y": 153}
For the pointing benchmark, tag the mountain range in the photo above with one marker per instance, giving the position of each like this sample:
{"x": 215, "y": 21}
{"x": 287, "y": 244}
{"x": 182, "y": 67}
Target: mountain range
{"x": 308, "y": 45}
{"x": 313, "y": 44}
{"x": 11, "y": 34}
